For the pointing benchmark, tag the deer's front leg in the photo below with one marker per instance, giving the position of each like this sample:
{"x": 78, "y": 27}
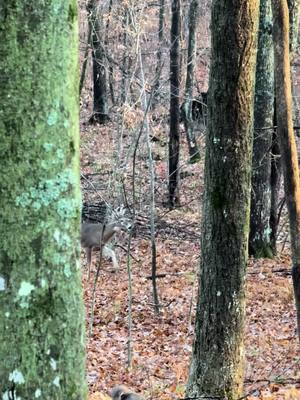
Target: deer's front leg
{"x": 109, "y": 253}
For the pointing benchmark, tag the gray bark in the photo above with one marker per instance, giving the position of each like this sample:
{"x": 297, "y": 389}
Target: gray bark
{"x": 174, "y": 135}
{"x": 189, "y": 85}
{"x": 259, "y": 239}
{"x": 217, "y": 359}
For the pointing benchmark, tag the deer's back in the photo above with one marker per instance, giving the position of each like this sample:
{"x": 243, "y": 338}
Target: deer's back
{"x": 91, "y": 234}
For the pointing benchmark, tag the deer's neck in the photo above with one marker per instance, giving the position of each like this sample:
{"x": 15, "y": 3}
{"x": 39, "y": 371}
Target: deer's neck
{"x": 109, "y": 230}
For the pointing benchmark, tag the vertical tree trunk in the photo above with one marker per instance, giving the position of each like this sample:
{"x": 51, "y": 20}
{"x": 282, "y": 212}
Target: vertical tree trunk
{"x": 159, "y": 63}
{"x": 126, "y": 59}
{"x": 259, "y": 238}
{"x": 217, "y": 360}
{"x": 174, "y": 136}
{"x": 106, "y": 45}
{"x": 276, "y": 174}
{"x": 42, "y": 314}
{"x": 294, "y": 11}
{"x": 286, "y": 136}
{"x": 85, "y": 59}
{"x": 100, "y": 109}
{"x": 189, "y": 85}
{"x": 294, "y": 14}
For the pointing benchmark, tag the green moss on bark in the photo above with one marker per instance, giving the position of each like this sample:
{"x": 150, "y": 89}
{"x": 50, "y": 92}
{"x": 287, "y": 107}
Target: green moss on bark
{"x": 42, "y": 319}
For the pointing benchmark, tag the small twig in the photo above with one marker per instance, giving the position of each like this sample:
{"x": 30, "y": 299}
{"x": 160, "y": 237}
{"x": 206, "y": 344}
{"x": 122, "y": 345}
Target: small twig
{"x": 162, "y": 305}
{"x": 126, "y": 250}
{"x": 163, "y": 275}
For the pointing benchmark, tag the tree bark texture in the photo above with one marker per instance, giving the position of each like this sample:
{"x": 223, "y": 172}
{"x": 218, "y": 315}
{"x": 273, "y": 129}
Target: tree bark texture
{"x": 294, "y": 11}
{"x": 276, "y": 176}
{"x": 259, "y": 238}
{"x": 218, "y": 355}
{"x": 189, "y": 85}
{"x": 127, "y": 61}
{"x": 286, "y": 136}
{"x": 85, "y": 58}
{"x": 294, "y": 14}
{"x": 42, "y": 313}
{"x": 174, "y": 136}
{"x": 159, "y": 54}
{"x": 100, "y": 109}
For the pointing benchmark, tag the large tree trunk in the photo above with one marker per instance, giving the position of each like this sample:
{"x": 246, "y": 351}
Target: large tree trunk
{"x": 100, "y": 109}
{"x": 259, "y": 238}
{"x": 217, "y": 360}
{"x": 286, "y": 136}
{"x": 189, "y": 85}
{"x": 42, "y": 314}
{"x": 174, "y": 136}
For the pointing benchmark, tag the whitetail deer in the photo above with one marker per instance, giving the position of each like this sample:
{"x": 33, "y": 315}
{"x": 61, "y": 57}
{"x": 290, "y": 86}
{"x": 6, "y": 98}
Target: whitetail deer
{"x": 96, "y": 236}
{"x": 121, "y": 392}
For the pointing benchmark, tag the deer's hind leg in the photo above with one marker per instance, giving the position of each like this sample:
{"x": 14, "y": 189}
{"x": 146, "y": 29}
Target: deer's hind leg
{"x": 89, "y": 260}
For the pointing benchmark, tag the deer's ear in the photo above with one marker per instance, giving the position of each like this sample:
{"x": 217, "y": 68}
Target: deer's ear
{"x": 125, "y": 396}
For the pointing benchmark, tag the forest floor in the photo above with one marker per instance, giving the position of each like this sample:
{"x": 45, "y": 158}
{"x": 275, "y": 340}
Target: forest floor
{"x": 162, "y": 344}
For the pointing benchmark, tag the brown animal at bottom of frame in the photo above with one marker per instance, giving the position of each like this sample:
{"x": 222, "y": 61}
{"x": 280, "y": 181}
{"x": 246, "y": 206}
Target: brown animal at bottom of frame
{"x": 121, "y": 392}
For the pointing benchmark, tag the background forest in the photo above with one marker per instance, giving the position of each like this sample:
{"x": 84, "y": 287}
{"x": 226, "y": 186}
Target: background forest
{"x": 149, "y": 200}
{"x": 131, "y": 44}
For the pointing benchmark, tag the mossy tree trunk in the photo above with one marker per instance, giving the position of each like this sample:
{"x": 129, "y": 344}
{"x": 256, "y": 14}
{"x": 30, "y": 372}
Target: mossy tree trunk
{"x": 42, "y": 313}
{"x": 259, "y": 239}
{"x": 217, "y": 360}
{"x": 287, "y": 137}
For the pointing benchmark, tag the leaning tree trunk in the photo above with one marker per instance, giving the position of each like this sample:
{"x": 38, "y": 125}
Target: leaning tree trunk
{"x": 276, "y": 168}
{"x": 42, "y": 313}
{"x": 174, "y": 136}
{"x": 100, "y": 109}
{"x": 189, "y": 85}
{"x": 286, "y": 136}
{"x": 217, "y": 360}
{"x": 259, "y": 237}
